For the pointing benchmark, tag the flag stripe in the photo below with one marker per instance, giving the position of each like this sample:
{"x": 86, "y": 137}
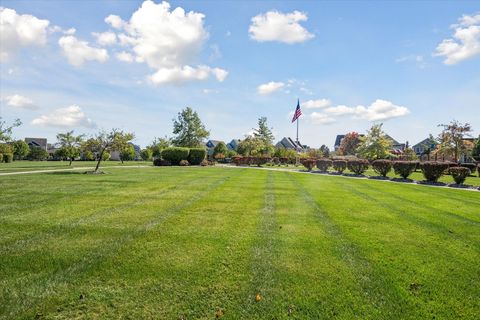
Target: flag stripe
{"x": 298, "y": 112}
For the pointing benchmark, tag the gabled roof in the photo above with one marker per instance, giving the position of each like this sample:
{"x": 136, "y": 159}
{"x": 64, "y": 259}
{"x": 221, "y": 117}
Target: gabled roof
{"x": 37, "y": 142}
{"x": 213, "y": 143}
{"x": 394, "y": 142}
{"x": 289, "y": 143}
{"x": 338, "y": 140}
{"x": 423, "y": 143}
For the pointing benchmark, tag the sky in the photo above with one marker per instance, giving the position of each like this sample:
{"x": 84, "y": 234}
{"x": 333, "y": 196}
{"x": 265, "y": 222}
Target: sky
{"x": 95, "y": 65}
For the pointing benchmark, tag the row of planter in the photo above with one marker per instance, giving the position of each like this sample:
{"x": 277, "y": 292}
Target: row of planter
{"x": 432, "y": 170}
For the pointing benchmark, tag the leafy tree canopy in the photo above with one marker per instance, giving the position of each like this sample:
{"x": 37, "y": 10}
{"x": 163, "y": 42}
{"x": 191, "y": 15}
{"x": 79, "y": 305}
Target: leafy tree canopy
{"x": 188, "y": 129}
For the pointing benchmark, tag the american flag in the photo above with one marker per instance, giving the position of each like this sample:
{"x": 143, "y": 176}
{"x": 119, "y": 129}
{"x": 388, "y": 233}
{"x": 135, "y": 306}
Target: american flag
{"x": 298, "y": 112}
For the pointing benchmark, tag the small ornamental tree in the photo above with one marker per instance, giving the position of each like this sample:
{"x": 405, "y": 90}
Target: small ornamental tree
{"x": 220, "y": 148}
{"x": 69, "y": 145}
{"x": 339, "y": 165}
{"x": 37, "y": 154}
{"x": 459, "y": 174}
{"x": 324, "y": 164}
{"x": 20, "y": 149}
{"x": 452, "y": 138}
{"x": 375, "y": 145}
{"x": 404, "y": 168}
{"x": 127, "y": 153}
{"x": 146, "y": 154}
{"x": 157, "y": 145}
{"x": 349, "y": 144}
{"x": 106, "y": 142}
{"x": 432, "y": 170}
{"x": 357, "y": 166}
{"x": 6, "y": 130}
{"x": 382, "y": 167}
{"x": 188, "y": 129}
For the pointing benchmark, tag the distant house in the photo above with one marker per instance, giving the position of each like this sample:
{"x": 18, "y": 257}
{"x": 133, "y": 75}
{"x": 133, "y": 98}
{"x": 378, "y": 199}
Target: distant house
{"x": 211, "y": 144}
{"x": 37, "y": 143}
{"x": 233, "y": 145}
{"x": 423, "y": 146}
{"x": 397, "y": 147}
{"x": 288, "y": 143}
{"x": 338, "y": 141}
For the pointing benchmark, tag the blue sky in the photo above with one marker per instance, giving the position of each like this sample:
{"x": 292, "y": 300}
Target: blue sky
{"x": 351, "y": 64}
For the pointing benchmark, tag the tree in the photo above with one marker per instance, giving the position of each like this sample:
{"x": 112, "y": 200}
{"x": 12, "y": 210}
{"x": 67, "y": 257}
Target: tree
{"x": 127, "y": 153}
{"x": 264, "y": 134}
{"x": 6, "y": 130}
{"x": 106, "y": 142}
{"x": 349, "y": 144}
{"x": 452, "y": 138}
{"x": 189, "y": 129}
{"x": 375, "y": 145}
{"x": 38, "y": 154}
{"x": 250, "y": 146}
{"x": 476, "y": 149}
{"x": 325, "y": 151}
{"x": 69, "y": 145}
{"x": 146, "y": 154}
{"x": 220, "y": 148}
{"x": 20, "y": 149}
{"x": 157, "y": 145}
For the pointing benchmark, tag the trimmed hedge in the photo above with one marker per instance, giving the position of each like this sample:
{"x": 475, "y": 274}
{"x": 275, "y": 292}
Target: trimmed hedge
{"x": 175, "y": 154}
{"x": 324, "y": 164}
{"x": 8, "y": 157}
{"x": 196, "y": 156}
{"x": 308, "y": 163}
{"x": 471, "y": 166}
{"x": 358, "y": 166}
{"x": 478, "y": 169}
{"x": 382, "y": 167}
{"x": 204, "y": 163}
{"x": 432, "y": 170}
{"x": 161, "y": 162}
{"x": 339, "y": 165}
{"x": 404, "y": 168}
{"x": 459, "y": 174}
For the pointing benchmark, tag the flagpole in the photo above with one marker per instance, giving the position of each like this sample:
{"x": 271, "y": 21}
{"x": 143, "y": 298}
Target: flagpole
{"x": 298, "y": 119}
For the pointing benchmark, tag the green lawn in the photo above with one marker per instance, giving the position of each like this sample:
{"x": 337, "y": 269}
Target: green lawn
{"x": 189, "y": 243}
{"x": 17, "y": 166}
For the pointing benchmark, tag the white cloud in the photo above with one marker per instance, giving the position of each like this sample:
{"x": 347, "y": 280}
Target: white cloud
{"x": 168, "y": 41}
{"x": 180, "y": 75}
{"x": 68, "y": 117}
{"x": 106, "y": 38}
{"x": 321, "y": 118}
{"x": 78, "y": 51}
{"x": 378, "y": 110}
{"x": 277, "y": 26}
{"x": 18, "y": 101}
{"x": 270, "y": 87}
{"x": 18, "y": 31}
{"x": 340, "y": 110}
{"x": 316, "y": 104}
{"x": 381, "y": 110}
{"x": 465, "y": 43}
{"x": 115, "y": 21}
{"x": 124, "y": 56}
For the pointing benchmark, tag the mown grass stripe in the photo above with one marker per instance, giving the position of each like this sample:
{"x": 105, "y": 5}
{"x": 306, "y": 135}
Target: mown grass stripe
{"x": 107, "y": 249}
{"x": 376, "y": 287}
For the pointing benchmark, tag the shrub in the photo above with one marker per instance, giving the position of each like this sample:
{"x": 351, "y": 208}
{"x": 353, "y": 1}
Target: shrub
{"x": 459, "y": 174}
{"x": 38, "y": 154}
{"x": 161, "y": 162}
{"x": 471, "y": 166}
{"x": 432, "y": 170}
{"x": 324, "y": 164}
{"x": 241, "y": 161}
{"x": 404, "y": 168}
{"x": 357, "y": 166}
{"x": 183, "y": 163}
{"x": 308, "y": 163}
{"x": 8, "y": 157}
{"x": 204, "y": 163}
{"x": 196, "y": 156}
{"x": 175, "y": 154}
{"x": 382, "y": 167}
{"x": 1, "y": 157}
{"x": 339, "y": 165}
{"x": 259, "y": 160}
{"x": 478, "y": 169}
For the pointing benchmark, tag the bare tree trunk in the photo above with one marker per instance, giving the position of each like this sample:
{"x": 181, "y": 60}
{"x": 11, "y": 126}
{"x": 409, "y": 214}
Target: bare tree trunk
{"x": 71, "y": 159}
{"x": 99, "y": 159}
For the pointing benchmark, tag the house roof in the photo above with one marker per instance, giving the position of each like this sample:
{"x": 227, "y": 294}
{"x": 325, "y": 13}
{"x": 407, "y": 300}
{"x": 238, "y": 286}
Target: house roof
{"x": 41, "y": 142}
{"x": 289, "y": 143}
{"x": 424, "y": 143}
{"x": 338, "y": 140}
